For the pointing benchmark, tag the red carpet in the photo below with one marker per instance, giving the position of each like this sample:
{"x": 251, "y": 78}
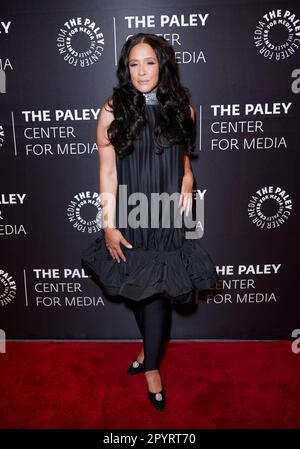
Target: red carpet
{"x": 208, "y": 385}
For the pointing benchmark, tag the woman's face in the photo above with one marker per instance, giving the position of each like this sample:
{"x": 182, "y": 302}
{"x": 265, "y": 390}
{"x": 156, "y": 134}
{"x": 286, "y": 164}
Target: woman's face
{"x": 143, "y": 68}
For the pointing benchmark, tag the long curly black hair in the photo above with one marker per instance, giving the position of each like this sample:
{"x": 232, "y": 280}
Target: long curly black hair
{"x": 173, "y": 122}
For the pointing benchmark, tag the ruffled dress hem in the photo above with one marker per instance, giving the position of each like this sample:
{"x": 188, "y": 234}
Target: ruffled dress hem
{"x": 146, "y": 272}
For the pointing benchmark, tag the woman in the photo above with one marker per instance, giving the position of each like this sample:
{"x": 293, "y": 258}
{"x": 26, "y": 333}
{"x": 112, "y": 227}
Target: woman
{"x": 145, "y": 136}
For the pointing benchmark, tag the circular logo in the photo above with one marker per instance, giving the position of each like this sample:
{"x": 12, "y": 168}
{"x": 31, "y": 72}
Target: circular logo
{"x": 80, "y": 42}
{"x": 269, "y": 207}
{"x": 277, "y": 34}
{"x": 85, "y": 212}
{"x": 8, "y": 288}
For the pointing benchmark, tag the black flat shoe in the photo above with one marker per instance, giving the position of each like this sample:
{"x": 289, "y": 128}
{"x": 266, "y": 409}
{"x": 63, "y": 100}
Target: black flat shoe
{"x": 135, "y": 368}
{"x": 158, "y": 399}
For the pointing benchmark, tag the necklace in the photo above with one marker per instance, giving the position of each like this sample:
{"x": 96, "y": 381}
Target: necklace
{"x": 150, "y": 98}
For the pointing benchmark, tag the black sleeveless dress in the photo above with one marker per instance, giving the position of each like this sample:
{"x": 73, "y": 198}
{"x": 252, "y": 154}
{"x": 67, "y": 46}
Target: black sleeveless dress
{"x": 162, "y": 260}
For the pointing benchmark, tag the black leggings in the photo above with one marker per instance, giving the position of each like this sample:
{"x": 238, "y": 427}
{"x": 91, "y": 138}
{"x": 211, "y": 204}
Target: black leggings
{"x": 153, "y": 318}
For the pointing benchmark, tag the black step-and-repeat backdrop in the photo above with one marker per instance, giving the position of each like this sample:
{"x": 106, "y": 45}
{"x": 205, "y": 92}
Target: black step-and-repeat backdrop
{"x": 241, "y": 62}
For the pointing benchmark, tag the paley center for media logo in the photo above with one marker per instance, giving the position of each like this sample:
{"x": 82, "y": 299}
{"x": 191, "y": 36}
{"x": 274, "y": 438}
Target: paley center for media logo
{"x": 277, "y": 34}
{"x": 270, "y": 207}
{"x": 8, "y": 288}
{"x": 85, "y": 213}
{"x": 1, "y": 136}
{"x": 80, "y": 41}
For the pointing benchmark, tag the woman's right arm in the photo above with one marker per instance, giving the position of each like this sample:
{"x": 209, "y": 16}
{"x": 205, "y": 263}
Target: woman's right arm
{"x": 108, "y": 184}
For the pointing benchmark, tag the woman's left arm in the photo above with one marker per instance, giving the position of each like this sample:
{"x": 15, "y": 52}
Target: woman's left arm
{"x": 186, "y": 195}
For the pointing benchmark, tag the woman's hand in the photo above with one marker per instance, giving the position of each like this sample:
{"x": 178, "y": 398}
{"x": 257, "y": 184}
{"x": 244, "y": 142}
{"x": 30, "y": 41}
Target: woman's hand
{"x": 113, "y": 238}
{"x": 186, "y": 195}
